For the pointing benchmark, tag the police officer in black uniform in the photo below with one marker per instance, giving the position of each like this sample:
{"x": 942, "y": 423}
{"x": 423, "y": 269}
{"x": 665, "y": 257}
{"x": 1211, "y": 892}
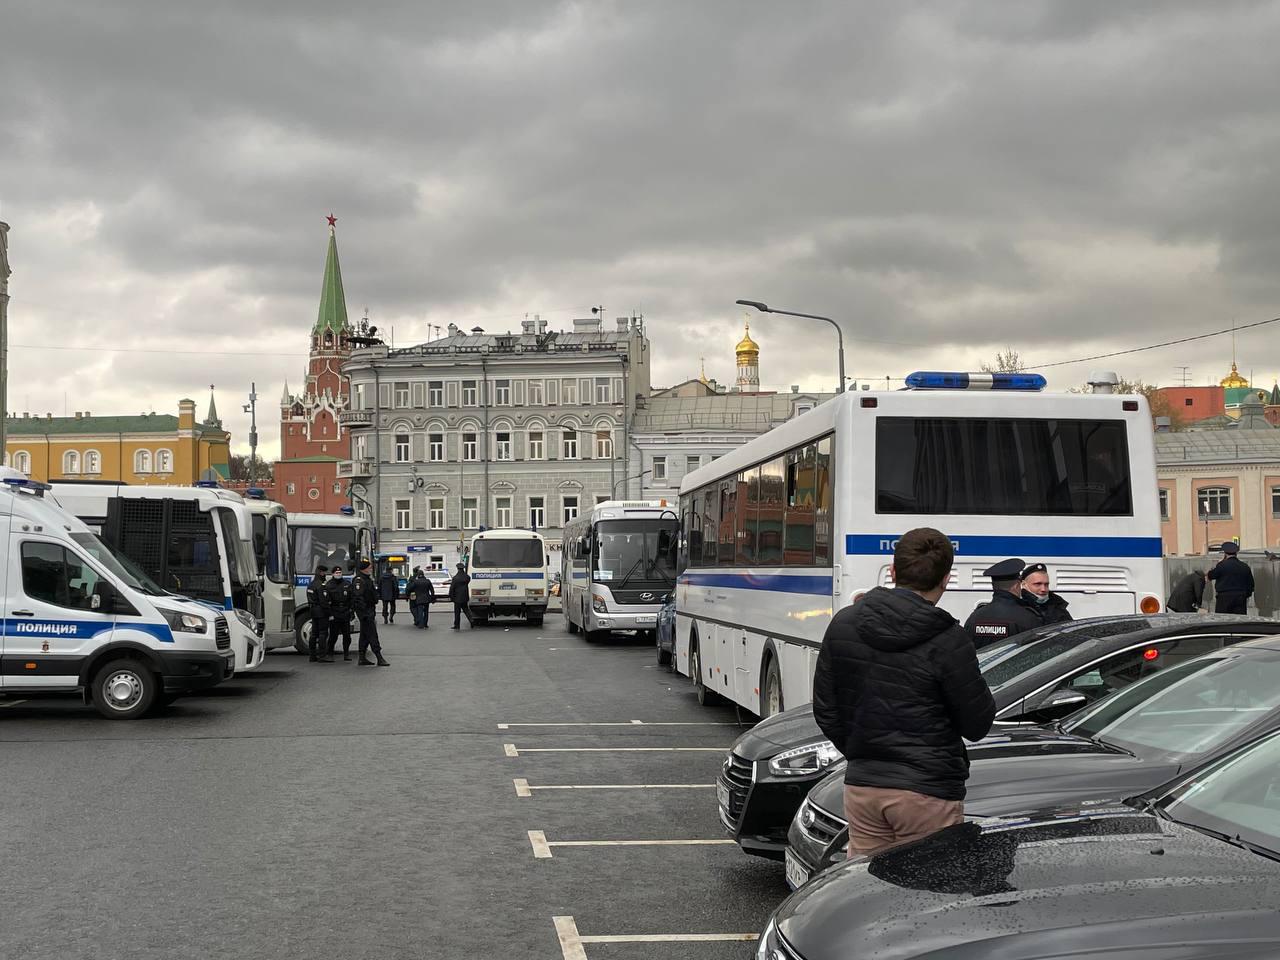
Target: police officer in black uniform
{"x": 1232, "y": 581}
{"x": 318, "y": 602}
{"x": 1038, "y": 598}
{"x": 365, "y": 596}
{"x": 1004, "y": 615}
{"x": 338, "y": 592}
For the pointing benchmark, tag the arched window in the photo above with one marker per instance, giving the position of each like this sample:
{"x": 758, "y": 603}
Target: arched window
{"x": 92, "y": 461}
{"x": 536, "y": 448}
{"x": 164, "y": 461}
{"x": 503, "y": 442}
{"x": 142, "y": 461}
{"x": 22, "y": 462}
{"x": 71, "y": 462}
{"x": 604, "y": 440}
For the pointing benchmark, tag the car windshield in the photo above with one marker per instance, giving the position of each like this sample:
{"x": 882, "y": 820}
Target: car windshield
{"x": 490, "y": 552}
{"x": 330, "y": 546}
{"x": 636, "y": 550}
{"x": 121, "y": 566}
{"x": 1188, "y": 710}
{"x": 1238, "y": 797}
{"x": 1058, "y": 643}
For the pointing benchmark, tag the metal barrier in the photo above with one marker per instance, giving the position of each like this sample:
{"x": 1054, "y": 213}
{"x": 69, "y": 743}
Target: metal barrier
{"x": 1265, "y": 601}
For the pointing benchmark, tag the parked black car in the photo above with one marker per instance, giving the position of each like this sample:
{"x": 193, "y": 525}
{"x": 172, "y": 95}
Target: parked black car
{"x": 1037, "y": 677}
{"x": 1191, "y": 870}
{"x": 665, "y": 634}
{"x": 1142, "y": 736}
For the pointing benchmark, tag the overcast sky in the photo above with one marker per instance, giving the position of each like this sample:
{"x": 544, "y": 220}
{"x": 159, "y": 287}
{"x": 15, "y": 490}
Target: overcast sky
{"x": 946, "y": 179}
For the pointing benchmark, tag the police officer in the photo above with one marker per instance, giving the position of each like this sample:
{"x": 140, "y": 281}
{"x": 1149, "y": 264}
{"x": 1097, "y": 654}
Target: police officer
{"x": 338, "y": 592}
{"x": 1233, "y": 581}
{"x": 1038, "y": 598}
{"x": 1004, "y": 615}
{"x": 459, "y": 593}
{"x": 365, "y": 597}
{"x": 318, "y": 601}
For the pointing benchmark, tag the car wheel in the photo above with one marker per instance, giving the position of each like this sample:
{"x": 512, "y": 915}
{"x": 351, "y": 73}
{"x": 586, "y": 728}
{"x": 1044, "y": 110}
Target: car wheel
{"x": 771, "y": 701}
{"x": 124, "y": 690}
{"x": 302, "y": 634}
{"x": 664, "y": 656}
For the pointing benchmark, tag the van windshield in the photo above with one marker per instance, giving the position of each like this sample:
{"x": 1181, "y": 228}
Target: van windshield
{"x": 120, "y": 566}
{"x": 330, "y": 546}
{"x": 523, "y": 554}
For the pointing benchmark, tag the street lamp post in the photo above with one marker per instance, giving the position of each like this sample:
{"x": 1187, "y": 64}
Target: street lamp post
{"x": 614, "y": 495}
{"x": 251, "y": 408}
{"x": 765, "y": 308}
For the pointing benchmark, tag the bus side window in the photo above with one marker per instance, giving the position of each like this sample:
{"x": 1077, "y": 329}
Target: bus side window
{"x": 798, "y": 547}
{"x": 748, "y": 511}
{"x": 710, "y": 518}
{"x": 728, "y": 520}
{"x": 822, "y": 519}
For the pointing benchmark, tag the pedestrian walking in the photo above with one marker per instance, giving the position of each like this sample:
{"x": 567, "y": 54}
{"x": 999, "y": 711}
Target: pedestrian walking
{"x": 421, "y": 594}
{"x": 338, "y": 593}
{"x": 1037, "y": 596}
{"x": 388, "y": 591}
{"x": 459, "y": 593}
{"x": 897, "y": 689}
{"x": 364, "y": 597}
{"x": 1188, "y": 593}
{"x": 318, "y": 604}
{"x": 1232, "y": 581}
{"x": 1005, "y": 614}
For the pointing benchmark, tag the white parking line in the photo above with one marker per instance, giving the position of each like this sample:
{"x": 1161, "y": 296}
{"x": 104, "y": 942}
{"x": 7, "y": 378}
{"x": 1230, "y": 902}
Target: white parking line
{"x": 625, "y": 723}
{"x": 542, "y": 846}
{"x": 510, "y": 750}
{"x": 571, "y": 942}
{"x": 523, "y": 789}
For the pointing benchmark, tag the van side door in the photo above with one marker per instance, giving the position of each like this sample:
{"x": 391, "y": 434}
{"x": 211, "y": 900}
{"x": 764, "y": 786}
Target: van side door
{"x": 54, "y": 622}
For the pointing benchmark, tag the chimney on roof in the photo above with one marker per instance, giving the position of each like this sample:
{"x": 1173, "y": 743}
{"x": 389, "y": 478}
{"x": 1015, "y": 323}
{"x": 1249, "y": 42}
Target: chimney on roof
{"x": 542, "y": 324}
{"x": 795, "y": 388}
{"x": 589, "y": 325}
{"x": 478, "y": 331}
{"x": 48, "y": 416}
{"x": 78, "y": 416}
{"x": 527, "y": 326}
{"x": 622, "y": 323}
{"x": 453, "y": 330}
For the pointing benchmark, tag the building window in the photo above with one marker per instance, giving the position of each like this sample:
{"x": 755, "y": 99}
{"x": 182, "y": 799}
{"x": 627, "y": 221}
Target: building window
{"x": 402, "y": 508}
{"x": 803, "y": 408}
{"x": 502, "y": 511}
{"x": 435, "y": 447}
{"x": 22, "y": 461}
{"x": 502, "y": 445}
{"x": 535, "y": 445}
{"x": 401, "y": 394}
{"x": 337, "y": 487}
{"x": 570, "y": 447}
{"x": 584, "y": 390}
{"x": 435, "y": 393}
{"x": 362, "y": 398}
{"x": 1215, "y": 503}
{"x": 535, "y": 393}
{"x": 601, "y": 498}
{"x": 537, "y": 512}
{"x": 71, "y": 462}
{"x": 1164, "y": 502}
{"x": 435, "y": 513}
{"x": 469, "y": 446}
{"x": 602, "y": 390}
{"x": 1275, "y": 502}
{"x": 402, "y": 448}
{"x": 92, "y": 461}
{"x": 142, "y": 461}
{"x": 164, "y": 461}
{"x": 692, "y": 463}
{"x": 660, "y": 469}
{"x": 468, "y": 393}
{"x": 469, "y": 511}
{"x": 1188, "y": 402}
{"x": 502, "y": 392}
{"x": 290, "y": 489}
{"x": 569, "y": 509}
{"x": 569, "y": 391}
{"x": 604, "y": 444}
{"x": 553, "y": 392}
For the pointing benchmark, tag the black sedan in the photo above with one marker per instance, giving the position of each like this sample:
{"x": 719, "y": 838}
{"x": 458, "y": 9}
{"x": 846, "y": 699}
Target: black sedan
{"x": 1038, "y": 677}
{"x": 1132, "y": 741}
{"x": 1190, "y": 871}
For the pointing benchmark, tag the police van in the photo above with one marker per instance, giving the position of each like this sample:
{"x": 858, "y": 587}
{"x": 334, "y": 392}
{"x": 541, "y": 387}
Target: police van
{"x": 340, "y": 539}
{"x": 79, "y": 618}
{"x": 508, "y": 571}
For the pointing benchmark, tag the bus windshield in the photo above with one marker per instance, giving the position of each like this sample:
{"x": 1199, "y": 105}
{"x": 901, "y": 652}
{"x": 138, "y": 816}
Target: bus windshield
{"x": 330, "y": 546}
{"x": 628, "y": 550}
{"x": 488, "y": 553}
{"x": 121, "y": 566}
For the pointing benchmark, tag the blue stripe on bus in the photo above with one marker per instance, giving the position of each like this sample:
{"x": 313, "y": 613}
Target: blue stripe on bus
{"x": 517, "y": 575}
{"x": 1032, "y": 548}
{"x": 777, "y": 583}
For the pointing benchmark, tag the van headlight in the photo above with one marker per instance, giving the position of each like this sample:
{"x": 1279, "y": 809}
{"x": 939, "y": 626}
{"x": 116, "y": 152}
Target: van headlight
{"x": 804, "y": 761}
{"x": 248, "y": 619}
{"x": 184, "y": 622}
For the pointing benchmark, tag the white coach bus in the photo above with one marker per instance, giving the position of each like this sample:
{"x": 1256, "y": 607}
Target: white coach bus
{"x": 802, "y": 521}
{"x": 618, "y": 566}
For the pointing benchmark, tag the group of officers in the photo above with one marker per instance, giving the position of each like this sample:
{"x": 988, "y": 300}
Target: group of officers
{"x": 333, "y": 600}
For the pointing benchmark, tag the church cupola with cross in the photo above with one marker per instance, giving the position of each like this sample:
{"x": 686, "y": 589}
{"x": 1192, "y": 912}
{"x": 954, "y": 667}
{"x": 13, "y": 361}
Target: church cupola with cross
{"x": 747, "y": 354}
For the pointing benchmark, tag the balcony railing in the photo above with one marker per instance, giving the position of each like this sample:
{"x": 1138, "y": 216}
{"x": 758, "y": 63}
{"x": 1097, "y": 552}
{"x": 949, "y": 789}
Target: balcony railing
{"x": 356, "y": 418}
{"x": 355, "y": 469}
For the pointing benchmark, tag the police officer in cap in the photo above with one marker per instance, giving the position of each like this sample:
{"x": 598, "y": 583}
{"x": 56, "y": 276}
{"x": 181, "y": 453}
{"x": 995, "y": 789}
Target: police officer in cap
{"x": 364, "y": 594}
{"x": 1037, "y": 596}
{"x": 318, "y": 601}
{"x": 1233, "y": 581}
{"x": 1004, "y": 614}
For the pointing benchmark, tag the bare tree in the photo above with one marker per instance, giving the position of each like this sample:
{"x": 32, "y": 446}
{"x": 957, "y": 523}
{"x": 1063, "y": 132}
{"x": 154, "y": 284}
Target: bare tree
{"x": 1008, "y": 360}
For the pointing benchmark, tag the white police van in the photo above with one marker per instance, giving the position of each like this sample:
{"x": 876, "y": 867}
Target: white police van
{"x": 508, "y": 571}
{"x": 77, "y": 617}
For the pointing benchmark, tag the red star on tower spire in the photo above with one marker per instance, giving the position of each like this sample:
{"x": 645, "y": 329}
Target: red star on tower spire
{"x": 333, "y": 221}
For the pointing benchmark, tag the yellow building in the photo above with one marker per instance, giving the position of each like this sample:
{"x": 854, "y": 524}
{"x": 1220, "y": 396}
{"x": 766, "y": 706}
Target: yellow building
{"x": 153, "y": 448}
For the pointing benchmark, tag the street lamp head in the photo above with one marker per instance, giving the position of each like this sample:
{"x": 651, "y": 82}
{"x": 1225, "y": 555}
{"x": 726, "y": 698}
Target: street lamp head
{"x": 762, "y": 307}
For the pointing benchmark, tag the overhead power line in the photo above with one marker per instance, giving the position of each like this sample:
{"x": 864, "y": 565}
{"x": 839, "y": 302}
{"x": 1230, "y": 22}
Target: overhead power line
{"x": 1150, "y": 346}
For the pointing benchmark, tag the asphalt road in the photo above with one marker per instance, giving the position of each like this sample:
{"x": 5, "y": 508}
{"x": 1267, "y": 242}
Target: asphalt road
{"x": 335, "y": 811}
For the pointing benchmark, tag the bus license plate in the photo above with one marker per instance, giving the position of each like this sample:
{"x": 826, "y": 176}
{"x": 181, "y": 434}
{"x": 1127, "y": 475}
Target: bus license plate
{"x": 797, "y": 872}
{"x": 506, "y": 586}
{"x": 648, "y": 618}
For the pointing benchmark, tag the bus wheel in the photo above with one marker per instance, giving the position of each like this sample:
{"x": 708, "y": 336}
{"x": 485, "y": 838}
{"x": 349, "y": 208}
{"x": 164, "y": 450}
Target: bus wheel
{"x": 535, "y": 620}
{"x": 124, "y": 690}
{"x": 705, "y": 697}
{"x": 302, "y": 634}
{"x": 573, "y": 627}
{"x": 771, "y": 702}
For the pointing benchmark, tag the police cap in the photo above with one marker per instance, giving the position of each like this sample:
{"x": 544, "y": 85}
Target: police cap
{"x": 321, "y": 568}
{"x": 1230, "y": 548}
{"x": 1031, "y": 568}
{"x": 364, "y": 565}
{"x": 1010, "y": 569}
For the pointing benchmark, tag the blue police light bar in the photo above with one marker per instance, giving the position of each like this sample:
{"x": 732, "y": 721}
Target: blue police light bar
{"x": 347, "y": 511}
{"x": 207, "y": 484}
{"x": 935, "y": 380}
{"x": 25, "y": 484}
{"x": 256, "y": 493}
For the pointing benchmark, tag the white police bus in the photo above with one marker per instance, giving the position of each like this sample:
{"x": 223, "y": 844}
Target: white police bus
{"x": 508, "y": 570}
{"x": 802, "y": 521}
{"x": 332, "y": 539}
{"x": 618, "y": 566}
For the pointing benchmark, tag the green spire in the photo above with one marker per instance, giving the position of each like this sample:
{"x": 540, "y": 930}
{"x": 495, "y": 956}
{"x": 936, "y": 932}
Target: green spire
{"x": 212, "y": 419}
{"x": 333, "y": 304}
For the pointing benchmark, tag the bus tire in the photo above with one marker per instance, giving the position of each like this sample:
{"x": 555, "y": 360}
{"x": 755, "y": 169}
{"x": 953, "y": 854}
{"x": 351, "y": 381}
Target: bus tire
{"x": 771, "y": 693}
{"x": 573, "y": 627}
{"x": 302, "y": 626}
{"x": 535, "y": 620}
{"x": 705, "y": 697}
{"x": 124, "y": 689}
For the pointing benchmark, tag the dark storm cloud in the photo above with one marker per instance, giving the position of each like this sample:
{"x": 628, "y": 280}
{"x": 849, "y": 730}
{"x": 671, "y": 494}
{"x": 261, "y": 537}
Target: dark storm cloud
{"x": 948, "y": 179}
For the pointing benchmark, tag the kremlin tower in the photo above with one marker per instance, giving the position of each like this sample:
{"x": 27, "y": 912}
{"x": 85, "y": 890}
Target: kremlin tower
{"x": 748, "y": 356}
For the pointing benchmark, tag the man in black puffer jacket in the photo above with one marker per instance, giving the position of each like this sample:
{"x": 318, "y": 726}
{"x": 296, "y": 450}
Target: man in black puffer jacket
{"x": 897, "y": 689}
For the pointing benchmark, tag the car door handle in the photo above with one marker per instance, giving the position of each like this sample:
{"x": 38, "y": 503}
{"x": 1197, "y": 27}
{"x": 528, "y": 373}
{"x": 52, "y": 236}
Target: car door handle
{"x": 23, "y": 613}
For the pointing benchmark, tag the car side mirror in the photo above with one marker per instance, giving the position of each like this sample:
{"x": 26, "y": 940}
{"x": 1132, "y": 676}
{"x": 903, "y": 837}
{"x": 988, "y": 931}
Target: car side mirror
{"x": 103, "y": 598}
{"x": 1057, "y": 705}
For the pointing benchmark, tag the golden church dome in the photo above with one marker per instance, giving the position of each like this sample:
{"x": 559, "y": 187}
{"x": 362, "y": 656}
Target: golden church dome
{"x": 1232, "y": 380}
{"x": 747, "y": 349}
